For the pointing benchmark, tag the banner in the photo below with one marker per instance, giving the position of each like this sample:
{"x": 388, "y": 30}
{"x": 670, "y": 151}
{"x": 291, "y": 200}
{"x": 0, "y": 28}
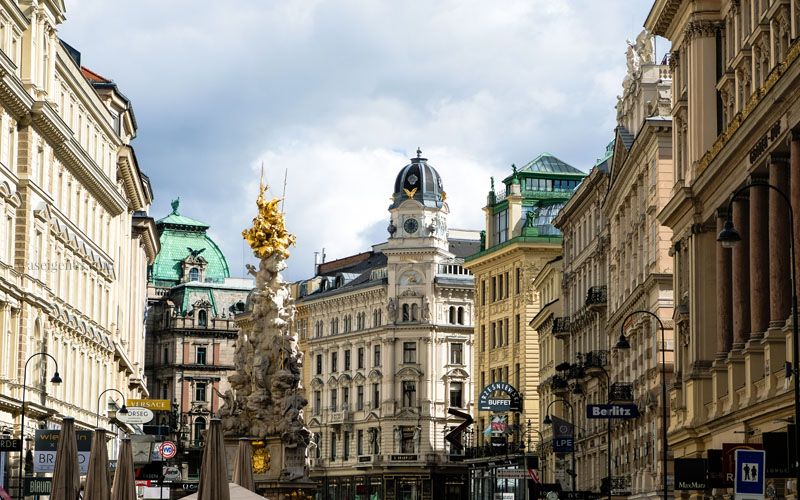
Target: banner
{"x": 729, "y": 460}
{"x": 691, "y": 473}
{"x": 776, "y": 444}
{"x": 46, "y": 443}
{"x": 563, "y": 436}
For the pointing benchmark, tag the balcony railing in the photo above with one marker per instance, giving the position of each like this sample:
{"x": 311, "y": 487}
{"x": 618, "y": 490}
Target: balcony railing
{"x": 597, "y": 295}
{"x": 596, "y": 359}
{"x": 560, "y": 326}
{"x": 621, "y": 391}
{"x": 559, "y": 383}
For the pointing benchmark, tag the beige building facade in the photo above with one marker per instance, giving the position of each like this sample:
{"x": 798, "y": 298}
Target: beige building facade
{"x": 75, "y": 237}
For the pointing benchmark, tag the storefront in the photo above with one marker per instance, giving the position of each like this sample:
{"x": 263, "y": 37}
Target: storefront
{"x": 395, "y": 486}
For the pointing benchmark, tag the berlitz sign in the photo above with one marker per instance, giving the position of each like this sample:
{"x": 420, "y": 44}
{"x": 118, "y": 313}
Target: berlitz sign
{"x": 612, "y": 411}
{"x": 488, "y": 403}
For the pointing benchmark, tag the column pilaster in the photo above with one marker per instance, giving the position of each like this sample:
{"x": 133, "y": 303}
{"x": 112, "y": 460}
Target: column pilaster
{"x": 780, "y": 288}
{"x": 724, "y": 294}
{"x": 794, "y": 168}
{"x": 741, "y": 273}
{"x": 759, "y": 259}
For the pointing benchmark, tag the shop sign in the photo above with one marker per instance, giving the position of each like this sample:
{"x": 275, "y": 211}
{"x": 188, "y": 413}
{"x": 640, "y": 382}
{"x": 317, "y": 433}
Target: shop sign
{"x": 503, "y": 496}
{"x": 625, "y": 410}
{"x": 573, "y": 495}
{"x": 136, "y": 416}
{"x": 714, "y": 462}
{"x": 151, "y": 404}
{"x": 765, "y": 141}
{"x": 187, "y": 486}
{"x": 562, "y": 436}
{"x": 403, "y": 458}
{"x": 38, "y": 485}
{"x": 512, "y": 474}
{"x": 365, "y": 458}
{"x": 691, "y": 473}
{"x": 729, "y": 460}
{"x": 8, "y": 444}
{"x": 776, "y": 444}
{"x": 488, "y": 403}
{"x": 46, "y": 444}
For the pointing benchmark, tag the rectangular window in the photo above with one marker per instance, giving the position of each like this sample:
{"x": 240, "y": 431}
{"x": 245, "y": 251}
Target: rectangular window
{"x": 317, "y": 403}
{"x": 166, "y": 355}
{"x": 516, "y": 375}
{"x": 499, "y": 287}
{"x": 500, "y": 333}
{"x": 409, "y": 352}
{"x": 483, "y": 338}
{"x": 493, "y": 338}
{"x": 201, "y": 355}
{"x": 347, "y": 360}
{"x": 505, "y": 374}
{"x": 483, "y": 292}
{"x": 519, "y": 279}
{"x": 319, "y": 364}
{"x": 318, "y": 440}
{"x": 483, "y": 380}
{"x": 494, "y": 288}
{"x": 200, "y": 391}
{"x": 508, "y": 286}
{"x": 360, "y": 358}
{"x": 456, "y": 353}
{"x": 346, "y": 450}
{"x": 376, "y": 355}
{"x": 345, "y": 398}
{"x": 376, "y": 395}
{"x": 334, "y": 400}
{"x": 500, "y": 226}
{"x": 456, "y": 394}
{"x": 334, "y": 362}
{"x": 407, "y": 442}
{"x": 505, "y": 323}
{"x": 409, "y": 393}
{"x": 517, "y": 328}
{"x": 164, "y": 391}
{"x": 333, "y": 446}
{"x": 359, "y": 397}
{"x": 360, "y": 442}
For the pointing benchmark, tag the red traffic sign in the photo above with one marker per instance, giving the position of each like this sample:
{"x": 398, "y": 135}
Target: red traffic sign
{"x": 167, "y": 449}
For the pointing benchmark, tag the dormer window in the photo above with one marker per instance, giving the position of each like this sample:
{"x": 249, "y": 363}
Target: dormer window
{"x": 202, "y": 318}
{"x": 194, "y": 274}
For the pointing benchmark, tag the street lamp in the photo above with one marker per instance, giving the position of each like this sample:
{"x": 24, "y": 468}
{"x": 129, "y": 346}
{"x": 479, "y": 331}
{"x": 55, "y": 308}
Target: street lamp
{"x": 578, "y": 390}
{"x": 55, "y": 380}
{"x": 547, "y": 421}
{"x": 622, "y": 343}
{"x": 122, "y": 411}
{"x": 729, "y": 237}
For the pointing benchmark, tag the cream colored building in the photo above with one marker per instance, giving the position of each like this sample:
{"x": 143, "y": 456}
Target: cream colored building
{"x": 736, "y": 112}
{"x": 75, "y": 237}
{"x": 389, "y": 345}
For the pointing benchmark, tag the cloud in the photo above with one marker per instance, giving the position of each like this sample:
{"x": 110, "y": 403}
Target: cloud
{"x": 339, "y": 93}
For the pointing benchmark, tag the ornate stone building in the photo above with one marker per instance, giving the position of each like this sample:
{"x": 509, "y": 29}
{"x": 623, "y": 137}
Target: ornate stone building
{"x": 389, "y": 346}
{"x": 75, "y": 237}
{"x": 191, "y": 330}
{"x": 736, "y": 111}
{"x": 519, "y": 240}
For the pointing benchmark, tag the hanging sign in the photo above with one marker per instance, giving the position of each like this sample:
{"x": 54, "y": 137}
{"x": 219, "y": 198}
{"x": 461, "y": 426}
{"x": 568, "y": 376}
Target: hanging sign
{"x": 488, "y": 403}
{"x": 691, "y": 473}
{"x": 136, "y": 416}
{"x": 46, "y": 444}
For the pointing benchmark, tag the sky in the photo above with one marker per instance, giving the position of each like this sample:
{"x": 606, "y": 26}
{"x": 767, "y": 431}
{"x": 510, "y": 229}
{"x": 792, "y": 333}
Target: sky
{"x": 336, "y": 95}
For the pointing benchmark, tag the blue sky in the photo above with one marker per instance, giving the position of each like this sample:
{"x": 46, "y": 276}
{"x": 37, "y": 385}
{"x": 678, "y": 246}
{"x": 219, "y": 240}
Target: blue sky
{"x": 340, "y": 93}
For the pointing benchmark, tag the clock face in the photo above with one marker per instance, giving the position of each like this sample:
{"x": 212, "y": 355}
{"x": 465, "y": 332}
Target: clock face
{"x": 411, "y": 225}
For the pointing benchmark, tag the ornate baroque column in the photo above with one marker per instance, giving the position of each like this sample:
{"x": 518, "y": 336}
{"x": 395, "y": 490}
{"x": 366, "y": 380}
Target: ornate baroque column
{"x": 779, "y": 273}
{"x": 741, "y": 273}
{"x": 724, "y": 294}
{"x": 759, "y": 260}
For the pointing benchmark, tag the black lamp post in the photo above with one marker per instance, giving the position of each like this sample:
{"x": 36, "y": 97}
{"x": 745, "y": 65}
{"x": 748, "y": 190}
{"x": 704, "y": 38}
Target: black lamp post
{"x": 55, "y": 380}
{"x": 729, "y": 237}
{"x": 547, "y": 421}
{"x": 123, "y": 410}
{"x": 622, "y": 343}
{"x": 577, "y": 390}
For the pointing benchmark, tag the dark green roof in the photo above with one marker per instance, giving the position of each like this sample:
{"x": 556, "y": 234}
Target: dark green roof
{"x": 546, "y": 162}
{"x": 180, "y": 235}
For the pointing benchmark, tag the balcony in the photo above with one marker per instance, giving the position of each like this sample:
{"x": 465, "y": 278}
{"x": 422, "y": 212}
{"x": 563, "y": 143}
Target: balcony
{"x": 596, "y": 359}
{"x": 340, "y": 417}
{"x": 597, "y": 296}
{"x": 561, "y": 327}
{"x": 559, "y": 384}
{"x": 621, "y": 391}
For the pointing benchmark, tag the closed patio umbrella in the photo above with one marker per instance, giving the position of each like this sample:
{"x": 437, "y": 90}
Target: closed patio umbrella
{"x": 98, "y": 487}
{"x": 214, "y": 468}
{"x": 236, "y": 491}
{"x": 125, "y": 477}
{"x": 243, "y": 466}
{"x": 66, "y": 483}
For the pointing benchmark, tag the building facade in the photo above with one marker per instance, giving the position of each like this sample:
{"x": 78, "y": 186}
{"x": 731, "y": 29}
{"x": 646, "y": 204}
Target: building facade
{"x": 389, "y": 344}
{"x": 735, "y": 111}
{"x": 519, "y": 240}
{"x": 75, "y": 237}
{"x": 191, "y": 332}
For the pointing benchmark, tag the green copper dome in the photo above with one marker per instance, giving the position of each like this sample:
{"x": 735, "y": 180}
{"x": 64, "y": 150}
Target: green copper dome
{"x": 182, "y": 237}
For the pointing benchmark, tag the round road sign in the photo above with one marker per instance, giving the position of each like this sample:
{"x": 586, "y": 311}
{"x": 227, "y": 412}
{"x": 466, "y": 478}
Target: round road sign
{"x": 167, "y": 449}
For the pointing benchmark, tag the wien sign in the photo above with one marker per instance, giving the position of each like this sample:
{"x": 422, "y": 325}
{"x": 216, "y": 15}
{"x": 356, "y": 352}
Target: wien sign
{"x": 487, "y": 403}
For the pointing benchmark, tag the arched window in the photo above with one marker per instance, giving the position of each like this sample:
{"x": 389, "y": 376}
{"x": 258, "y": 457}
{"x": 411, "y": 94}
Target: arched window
{"x": 199, "y": 428}
{"x": 451, "y": 315}
{"x": 414, "y": 312}
{"x": 460, "y": 315}
{"x": 202, "y": 318}
{"x": 406, "y": 313}
{"x": 194, "y": 274}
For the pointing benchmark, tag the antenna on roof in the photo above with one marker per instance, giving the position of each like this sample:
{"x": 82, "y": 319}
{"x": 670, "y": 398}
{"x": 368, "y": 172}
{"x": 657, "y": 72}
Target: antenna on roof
{"x": 419, "y": 152}
{"x": 283, "y": 196}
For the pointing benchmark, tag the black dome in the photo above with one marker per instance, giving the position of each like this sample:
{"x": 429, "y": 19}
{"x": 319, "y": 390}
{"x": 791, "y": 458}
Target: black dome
{"x": 420, "y": 176}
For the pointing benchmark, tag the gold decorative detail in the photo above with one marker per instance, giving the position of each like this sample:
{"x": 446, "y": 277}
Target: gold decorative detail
{"x": 392, "y": 198}
{"x": 444, "y": 196}
{"x": 411, "y": 193}
{"x": 260, "y": 455}
{"x": 268, "y": 234}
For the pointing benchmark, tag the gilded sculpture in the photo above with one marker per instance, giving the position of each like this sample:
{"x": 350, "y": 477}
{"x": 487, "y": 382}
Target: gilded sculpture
{"x": 268, "y": 234}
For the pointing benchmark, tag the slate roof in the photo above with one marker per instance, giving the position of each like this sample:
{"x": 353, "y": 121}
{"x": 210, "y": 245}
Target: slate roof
{"x": 464, "y": 248}
{"x": 546, "y": 162}
{"x": 626, "y": 136}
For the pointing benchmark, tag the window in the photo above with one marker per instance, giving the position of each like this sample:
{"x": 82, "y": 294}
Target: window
{"x": 360, "y": 442}
{"x": 346, "y": 446}
{"x": 500, "y": 226}
{"x": 409, "y": 393}
{"x": 407, "y": 446}
{"x": 345, "y": 398}
{"x": 166, "y": 355}
{"x": 406, "y": 313}
{"x": 451, "y": 315}
{"x": 508, "y": 286}
{"x": 500, "y": 287}
{"x": 517, "y": 328}
{"x": 505, "y": 322}
{"x": 200, "y": 391}
{"x": 334, "y": 362}
{"x": 334, "y": 399}
{"x": 199, "y": 429}
{"x": 317, "y": 404}
{"x": 409, "y": 352}
{"x": 376, "y": 395}
{"x": 494, "y": 288}
{"x": 333, "y": 446}
{"x": 519, "y": 279}
{"x": 456, "y": 353}
{"x": 493, "y": 338}
{"x": 194, "y": 274}
{"x": 376, "y": 355}
{"x": 201, "y": 355}
{"x": 359, "y": 397}
{"x": 319, "y": 364}
{"x": 483, "y": 292}
{"x": 164, "y": 391}
{"x": 347, "y": 360}
{"x": 414, "y": 312}
{"x": 360, "y": 359}
{"x": 460, "y": 315}
{"x": 456, "y": 394}
{"x": 318, "y": 442}
{"x": 202, "y": 318}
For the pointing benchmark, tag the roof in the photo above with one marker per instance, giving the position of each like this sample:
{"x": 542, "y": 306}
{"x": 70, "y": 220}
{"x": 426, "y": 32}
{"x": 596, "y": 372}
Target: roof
{"x": 93, "y": 77}
{"x": 626, "y": 136}
{"x": 546, "y": 162}
{"x": 175, "y": 219}
{"x": 463, "y": 248}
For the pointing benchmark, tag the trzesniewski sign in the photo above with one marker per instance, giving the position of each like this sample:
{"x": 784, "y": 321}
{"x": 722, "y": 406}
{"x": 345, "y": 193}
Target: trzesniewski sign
{"x": 487, "y": 403}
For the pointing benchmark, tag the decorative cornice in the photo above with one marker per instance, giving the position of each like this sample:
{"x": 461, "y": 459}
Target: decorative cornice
{"x": 702, "y": 29}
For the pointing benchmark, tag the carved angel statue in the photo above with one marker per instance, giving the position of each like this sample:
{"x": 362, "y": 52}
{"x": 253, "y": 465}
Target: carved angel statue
{"x": 391, "y": 310}
{"x": 630, "y": 57}
{"x": 398, "y": 436}
{"x": 426, "y": 309}
{"x": 417, "y": 435}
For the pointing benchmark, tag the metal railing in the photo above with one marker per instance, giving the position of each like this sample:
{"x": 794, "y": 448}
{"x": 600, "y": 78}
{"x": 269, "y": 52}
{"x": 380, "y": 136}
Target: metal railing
{"x": 560, "y": 325}
{"x": 596, "y": 359}
{"x": 597, "y": 294}
{"x": 621, "y": 391}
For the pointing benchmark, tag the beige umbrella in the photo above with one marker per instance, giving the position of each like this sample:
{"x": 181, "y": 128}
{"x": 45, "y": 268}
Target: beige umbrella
{"x": 98, "y": 487}
{"x": 125, "y": 477}
{"x": 243, "y": 466}
{"x": 236, "y": 492}
{"x": 66, "y": 483}
{"x": 214, "y": 468}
